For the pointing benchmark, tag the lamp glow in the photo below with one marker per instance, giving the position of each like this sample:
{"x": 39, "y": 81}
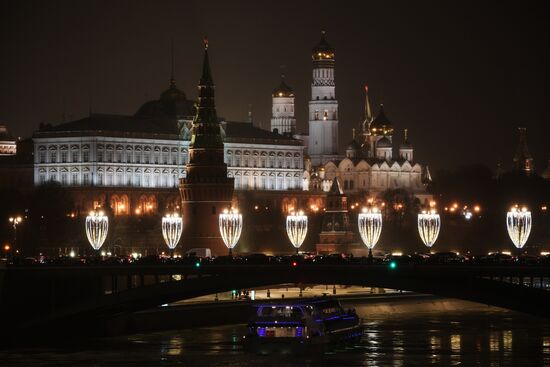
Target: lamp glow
{"x": 429, "y": 224}
{"x": 296, "y": 228}
{"x": 518, "y": 222}
{"x": 231, "y": 225}
{"x": 370, "y": 227}
{"x": 97, "y": 226}
{"x": 172, "y": 226}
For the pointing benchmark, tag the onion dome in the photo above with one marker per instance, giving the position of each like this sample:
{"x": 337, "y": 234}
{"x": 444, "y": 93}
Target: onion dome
{"x": 381, "y": 125}
{"x": 283, "y": 90}
{"x": 172, "y": 103}
{"x": 323, "y": 51}
{"x": 383, "y": 143}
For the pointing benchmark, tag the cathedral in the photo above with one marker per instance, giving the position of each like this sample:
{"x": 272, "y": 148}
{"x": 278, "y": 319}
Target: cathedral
{"x": 368, "y": 165}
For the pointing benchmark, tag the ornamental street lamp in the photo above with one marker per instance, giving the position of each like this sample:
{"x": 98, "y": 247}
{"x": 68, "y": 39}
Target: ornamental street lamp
{"x": 97, "y": 226}
{"x": 296, "y": 228}
{"x": 230, "y": 224}
{"x": 370, "y": 227}
{"x": 14, "y": 222}
{"x": 429, "y": 224}
{"x": 518, "y": 222}
{"x": 172, "y": 225}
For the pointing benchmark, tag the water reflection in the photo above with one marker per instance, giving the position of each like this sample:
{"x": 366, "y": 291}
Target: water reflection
{"x": 441, "y": 338}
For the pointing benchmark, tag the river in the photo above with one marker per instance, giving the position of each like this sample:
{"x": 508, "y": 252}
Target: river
{"x": 473, "y": 336}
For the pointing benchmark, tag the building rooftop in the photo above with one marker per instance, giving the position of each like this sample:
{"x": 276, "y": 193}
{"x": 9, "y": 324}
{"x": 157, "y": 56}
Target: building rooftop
{"x": 245, "y": 131}
{"x": 108, "y": 124}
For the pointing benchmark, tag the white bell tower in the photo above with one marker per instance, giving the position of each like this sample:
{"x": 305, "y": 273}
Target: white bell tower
{"x": 282, "y": 114}
{"x": 323, "y": 106}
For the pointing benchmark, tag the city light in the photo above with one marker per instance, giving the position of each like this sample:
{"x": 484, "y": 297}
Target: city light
{"x": 429, "y": 224}
{"x": 97, "y": 226}
{"x": 15, "y": 221}
{"x": 370, "y": 227}
{"x": 231, "y": 225}
{"x": 518, "y": 223}
{"x": 172, "y": 226}
{"x": 296, "y": 228}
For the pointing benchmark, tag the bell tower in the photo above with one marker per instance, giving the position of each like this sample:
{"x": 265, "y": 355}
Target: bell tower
{"x": 323, "y": 106}
{"x": 206, "y": 190}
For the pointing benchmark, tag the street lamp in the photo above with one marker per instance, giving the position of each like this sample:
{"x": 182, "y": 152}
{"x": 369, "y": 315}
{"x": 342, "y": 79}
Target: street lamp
{"x": 97, "y": 226}
{"x": 370, "y": 227}
{"x": 14, "y": 222}
{"x": 429, "y": 224}
{"x": 518, "y": 222}
{"x": 296, "y": 228}
{"x": 230, "y": 224}
{"x": 172, "y": 225}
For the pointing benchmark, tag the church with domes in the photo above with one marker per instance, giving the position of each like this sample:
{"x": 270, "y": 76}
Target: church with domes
{"x": 369, "y": 164}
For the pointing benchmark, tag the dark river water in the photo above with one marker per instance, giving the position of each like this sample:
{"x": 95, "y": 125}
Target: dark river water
{"x": 442, "y": 338}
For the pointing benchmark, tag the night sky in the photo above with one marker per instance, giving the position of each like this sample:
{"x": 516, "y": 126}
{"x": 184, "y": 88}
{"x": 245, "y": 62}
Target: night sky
{"x": 460, "y": 76}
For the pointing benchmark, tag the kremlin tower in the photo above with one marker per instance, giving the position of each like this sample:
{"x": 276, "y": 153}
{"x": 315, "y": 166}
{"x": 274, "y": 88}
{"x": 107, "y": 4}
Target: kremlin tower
{"x": 206, "y": 190}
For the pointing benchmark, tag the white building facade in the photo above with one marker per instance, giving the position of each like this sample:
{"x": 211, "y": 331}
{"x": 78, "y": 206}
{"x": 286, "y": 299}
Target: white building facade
{"x": 74, "y": 154}
{"x": 8, "y": 145}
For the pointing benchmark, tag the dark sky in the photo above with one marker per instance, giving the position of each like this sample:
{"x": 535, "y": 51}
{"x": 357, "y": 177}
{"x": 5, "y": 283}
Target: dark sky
{"x": 460, "y": 75}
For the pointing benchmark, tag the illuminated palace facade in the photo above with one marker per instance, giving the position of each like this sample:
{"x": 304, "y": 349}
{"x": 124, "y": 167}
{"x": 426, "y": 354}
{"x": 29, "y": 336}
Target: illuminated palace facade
{"x": 133, "y": 164}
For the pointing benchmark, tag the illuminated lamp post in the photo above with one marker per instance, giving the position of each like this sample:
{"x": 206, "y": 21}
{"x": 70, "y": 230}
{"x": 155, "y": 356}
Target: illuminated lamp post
{"x": 14, "y": 222}
{"x": 97, "y": 226}
{"x": 296, "y": 228}
{"x": 231, "y": 225}
{"x": 429, "y": 224}
{"x": 370, "y": 227}
{"x": 518, "y": 222}
{"x": 172, "y": 225}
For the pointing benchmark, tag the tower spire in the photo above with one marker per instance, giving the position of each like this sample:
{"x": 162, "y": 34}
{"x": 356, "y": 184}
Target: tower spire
{"x": 206, "y": 128}
{"x": 172, "y": 73}
{"x": 368, "y": 112}
{"x": 250, "y": 119}
{"x": 523, "y": 161}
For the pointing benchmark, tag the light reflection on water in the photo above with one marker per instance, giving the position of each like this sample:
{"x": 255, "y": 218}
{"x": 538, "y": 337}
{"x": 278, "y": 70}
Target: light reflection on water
{"x": 441, "y": 338}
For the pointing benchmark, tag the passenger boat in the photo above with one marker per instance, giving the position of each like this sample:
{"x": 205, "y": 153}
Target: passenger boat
{"x": 316, "y": 321}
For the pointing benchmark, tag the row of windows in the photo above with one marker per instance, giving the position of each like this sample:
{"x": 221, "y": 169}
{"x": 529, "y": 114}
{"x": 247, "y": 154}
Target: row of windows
{"x": 139, "y": 157}
{"x": 326, "y": 115}
{"x": 165, "y": 158}
{"x": 268, "y": 183}
{"x": 264, "y": 162}
{"x": 146, "y": 180}
{"x": 109, "y": 157}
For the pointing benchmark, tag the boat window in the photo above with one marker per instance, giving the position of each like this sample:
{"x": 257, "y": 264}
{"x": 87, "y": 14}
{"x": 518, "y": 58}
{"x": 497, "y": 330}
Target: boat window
{"x": 280, "y": 311}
